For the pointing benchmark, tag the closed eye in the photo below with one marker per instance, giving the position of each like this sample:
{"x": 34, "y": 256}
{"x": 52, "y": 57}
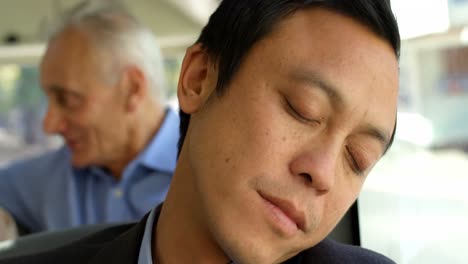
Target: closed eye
{"x": 294, "y": 112}
{"x": 64, "y": 97}
{"x": 61, "y": 99}
{"x": 67, "y": 100}
{"x": 357, "y": 169}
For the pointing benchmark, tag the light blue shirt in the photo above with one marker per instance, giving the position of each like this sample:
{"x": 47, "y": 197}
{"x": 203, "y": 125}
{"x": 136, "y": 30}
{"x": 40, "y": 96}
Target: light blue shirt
{"x": 46, "y": 193}
{"x": 145, "y": 256}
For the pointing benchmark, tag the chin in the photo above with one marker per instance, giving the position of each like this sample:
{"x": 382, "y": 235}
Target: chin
{"x": 253, "y": 248}
{"x": 79, "y": 161}
{"x": 260, "y": 258}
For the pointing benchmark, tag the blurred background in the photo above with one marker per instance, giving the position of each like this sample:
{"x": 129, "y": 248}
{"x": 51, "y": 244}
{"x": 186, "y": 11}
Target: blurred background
{"x": 414, "y": 206}
{"x": 24, "y": 25}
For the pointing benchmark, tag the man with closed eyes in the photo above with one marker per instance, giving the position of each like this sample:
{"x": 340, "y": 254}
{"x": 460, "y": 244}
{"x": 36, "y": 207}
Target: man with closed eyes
{"x": 285, "y": 108}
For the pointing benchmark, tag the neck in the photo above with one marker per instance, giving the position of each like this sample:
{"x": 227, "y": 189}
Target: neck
{"x": 139, "y": 135}
{"x": 181, "y": 228}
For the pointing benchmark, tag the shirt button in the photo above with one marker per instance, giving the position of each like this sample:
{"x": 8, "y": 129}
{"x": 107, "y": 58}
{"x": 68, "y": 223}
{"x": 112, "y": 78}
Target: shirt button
{"x": 118, "y": 193}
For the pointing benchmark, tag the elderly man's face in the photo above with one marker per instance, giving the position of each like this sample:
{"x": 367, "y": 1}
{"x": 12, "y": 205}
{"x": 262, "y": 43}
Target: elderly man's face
{"x": 283, "y": 153}
{"x": 83, "y": 105}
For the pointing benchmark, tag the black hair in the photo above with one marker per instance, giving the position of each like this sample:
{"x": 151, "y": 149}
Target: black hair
{"x": 237, "y": 25}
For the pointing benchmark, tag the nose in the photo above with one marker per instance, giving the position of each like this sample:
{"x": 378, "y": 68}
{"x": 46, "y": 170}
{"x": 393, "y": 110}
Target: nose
{"x": 53, "y": 122}
{"x": 317, "y": 167}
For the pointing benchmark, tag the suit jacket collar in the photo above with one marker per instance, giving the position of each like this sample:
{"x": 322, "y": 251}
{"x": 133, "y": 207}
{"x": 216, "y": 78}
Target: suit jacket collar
{"x": 124, "y": 249}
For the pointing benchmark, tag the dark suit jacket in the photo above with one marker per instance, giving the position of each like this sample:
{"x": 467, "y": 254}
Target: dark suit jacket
{"x": 121, "y": 245}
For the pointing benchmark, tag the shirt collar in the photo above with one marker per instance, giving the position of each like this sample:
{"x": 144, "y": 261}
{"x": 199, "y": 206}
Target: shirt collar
{"x": 161, "y": 153}
{"x": 145, "y": 256}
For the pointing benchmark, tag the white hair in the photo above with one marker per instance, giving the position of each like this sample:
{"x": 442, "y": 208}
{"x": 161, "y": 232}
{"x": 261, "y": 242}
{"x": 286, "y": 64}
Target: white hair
{"x": 115, "y": 31}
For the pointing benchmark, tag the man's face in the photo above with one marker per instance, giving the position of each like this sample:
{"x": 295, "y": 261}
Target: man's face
{"x": 283, "y": 153}
{"x": 83, "y": 105}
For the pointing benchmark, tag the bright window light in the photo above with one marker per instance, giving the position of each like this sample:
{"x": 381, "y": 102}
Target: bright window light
{"x": 421, "y": 17}
{"x": 414, "y": 128}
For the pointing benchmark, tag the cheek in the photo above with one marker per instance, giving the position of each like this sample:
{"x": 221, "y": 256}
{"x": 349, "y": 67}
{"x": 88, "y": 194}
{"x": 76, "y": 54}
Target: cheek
{"x": 342, "y": 197}
{"x": 96, "y": 132}
{"x": 240, "y": 140}
{"x": 78, "y": 124}
{"x": 265, "y": 128}
{"x": 84, "y": 117}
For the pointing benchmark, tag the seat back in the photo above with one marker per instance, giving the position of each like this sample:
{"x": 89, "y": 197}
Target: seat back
{"x": 44, "y": 241}
{"x": 347, "y": 230}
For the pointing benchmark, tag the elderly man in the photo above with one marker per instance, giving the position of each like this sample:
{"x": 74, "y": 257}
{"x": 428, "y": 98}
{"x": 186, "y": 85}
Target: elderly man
{"x": 286, "y": 106}
{"x": 104, "y": 80}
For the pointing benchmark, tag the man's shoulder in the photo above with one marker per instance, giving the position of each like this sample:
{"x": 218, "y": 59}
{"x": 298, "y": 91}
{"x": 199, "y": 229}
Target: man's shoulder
{"x": 331, "y": 252}
{"x": 48, "y": 159}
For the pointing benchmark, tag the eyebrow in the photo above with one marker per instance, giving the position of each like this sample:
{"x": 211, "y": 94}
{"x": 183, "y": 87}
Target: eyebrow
{"x": 60, "y": 89}
{"x": 55, "y": 88}
{"x": 315, "y": 80}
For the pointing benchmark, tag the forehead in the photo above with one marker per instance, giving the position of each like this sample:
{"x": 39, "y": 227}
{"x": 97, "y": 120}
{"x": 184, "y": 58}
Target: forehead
{"x": 70, "y": 57}
{"x": 330, "y": 38}
{"x": 70, "y": 45}
{"x": 345, "y": 53}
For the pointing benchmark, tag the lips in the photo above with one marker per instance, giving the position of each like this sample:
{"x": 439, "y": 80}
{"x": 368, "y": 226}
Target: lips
{"x": 288, "y": 209}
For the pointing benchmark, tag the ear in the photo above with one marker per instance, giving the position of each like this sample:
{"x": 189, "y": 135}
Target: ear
{"x": 134, "y": 86}
{"x": 196, "y": 81}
